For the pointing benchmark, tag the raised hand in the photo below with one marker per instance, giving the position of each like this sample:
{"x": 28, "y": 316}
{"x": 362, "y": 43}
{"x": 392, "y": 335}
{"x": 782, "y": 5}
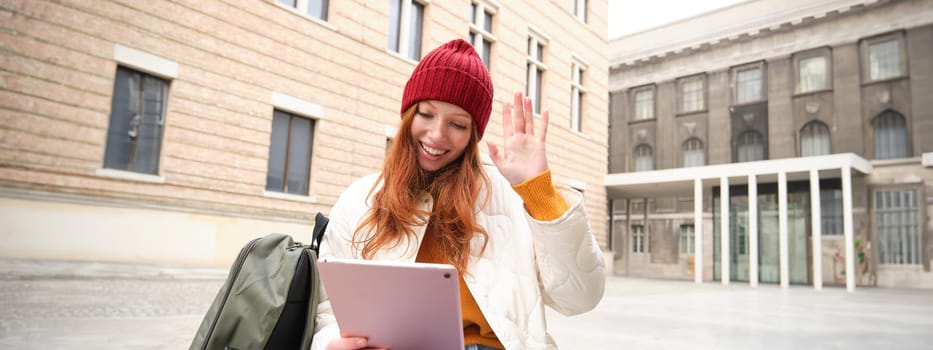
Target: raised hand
{"x": 522, "y": 155}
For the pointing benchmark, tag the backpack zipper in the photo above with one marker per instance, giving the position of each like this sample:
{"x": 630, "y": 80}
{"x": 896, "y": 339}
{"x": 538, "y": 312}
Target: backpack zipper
{"x": 235, "y": 270}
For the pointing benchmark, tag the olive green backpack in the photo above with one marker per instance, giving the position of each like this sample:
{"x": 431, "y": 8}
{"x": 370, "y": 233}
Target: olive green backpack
{"x": 270, "y": 298}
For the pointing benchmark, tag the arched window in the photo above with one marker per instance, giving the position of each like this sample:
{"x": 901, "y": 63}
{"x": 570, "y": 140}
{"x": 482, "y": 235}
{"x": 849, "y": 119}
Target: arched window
{"x": 693, "y": 153}
{"x": 890, "y": 135}
{"x": 750, "y": 146}
{"x": 814, "y": 139}
{"x": 644, "y": 158}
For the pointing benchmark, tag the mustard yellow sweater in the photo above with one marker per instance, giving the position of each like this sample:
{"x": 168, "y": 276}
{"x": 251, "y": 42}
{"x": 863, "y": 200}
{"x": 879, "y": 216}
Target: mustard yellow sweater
{"x": 543, "y": 203}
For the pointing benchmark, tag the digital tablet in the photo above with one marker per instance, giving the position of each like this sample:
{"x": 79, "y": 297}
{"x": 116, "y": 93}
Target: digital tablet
{"x": 397, "y": 305}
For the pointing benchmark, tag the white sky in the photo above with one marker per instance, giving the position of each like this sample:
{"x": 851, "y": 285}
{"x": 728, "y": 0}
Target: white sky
{"x": 627, "y": 16}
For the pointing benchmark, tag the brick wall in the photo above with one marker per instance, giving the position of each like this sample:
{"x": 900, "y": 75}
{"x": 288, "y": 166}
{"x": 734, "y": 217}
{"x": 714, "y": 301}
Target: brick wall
{"x": 233, "y": 56}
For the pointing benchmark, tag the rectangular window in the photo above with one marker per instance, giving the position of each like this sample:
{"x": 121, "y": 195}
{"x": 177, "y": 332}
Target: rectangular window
{"x": 748, "y": 83}
{"x": 897, "y": 222}
{"x": 579, "y": 9}
{"x": 406, "y": 18}
{"x": 313, "y": 8}
{"x": 831, "y": 212}
{"x": 481, "y": 37}
{"x": 686, "y": 239}
{"x": 536, "y": 68}
{"x": 290, "y": 153}
{"x": 884, "y": 60}
{"x": 750, "y": 147}
{"x": 692, "y": 94}
{"x": 644, "y": 104}
{"x": 741, "y": 244}
{"x": 137, "y": 120}
{"x": 812, "y": 74}
{"x": 576, "y": 95}
{"x": 638, "y": 238}
{"x": 395, "y": 25}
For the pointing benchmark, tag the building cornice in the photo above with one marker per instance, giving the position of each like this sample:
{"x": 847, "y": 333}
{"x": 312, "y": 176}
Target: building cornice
{"x": 726, "y": 26}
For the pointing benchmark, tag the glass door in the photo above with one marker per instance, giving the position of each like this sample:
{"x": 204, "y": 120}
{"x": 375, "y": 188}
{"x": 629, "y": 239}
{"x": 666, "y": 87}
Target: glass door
{"x": 769, "y": 239}
{"x": 738, "y": 238}
{"x": 798, "y": 209}
{"x": 769, "y": 243}
{"x": 769, "y": 247}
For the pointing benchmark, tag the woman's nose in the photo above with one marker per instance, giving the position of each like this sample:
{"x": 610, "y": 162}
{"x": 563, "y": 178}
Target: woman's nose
{"x": 436, "y": 129}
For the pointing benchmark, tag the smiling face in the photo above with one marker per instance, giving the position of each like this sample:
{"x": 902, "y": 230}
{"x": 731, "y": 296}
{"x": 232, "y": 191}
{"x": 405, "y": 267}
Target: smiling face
{"x": 440, "y": 133}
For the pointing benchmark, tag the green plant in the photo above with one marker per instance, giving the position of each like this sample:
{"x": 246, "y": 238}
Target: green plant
{"x": 861, "y": 253}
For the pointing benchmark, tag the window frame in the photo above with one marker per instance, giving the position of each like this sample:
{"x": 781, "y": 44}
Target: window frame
{"x": 153, "y": 65}
{"x": 918, "y": 214}
{"x": 407, "y": 47}
{"x": 580, "y": 8}
{"x": 684, "y": 150}
{"x": 875, "y": 138}
{"x": 287, "y": 169}
{"x": 763, "y": 83}
{"x": 681, "y": 95}
{"x": 638, "y": 238}
{"x": 112, "y": 150}
{"x": 738, "y": 144}
{"x": 479, "y": 35}
{"x": 831, "y": 215}
{"x": 302, "y": 109}
{"x": 865, "y": 55}
{"x": 578, "y": 68}
{"x": 636, "y": 156}
{"x": 826, "y": 54}
{"x": 810, "y": 124}
{"x": 301, "y": 7}
{"x": 687, "y": 239}
{"x": 536, "y": 44}
{"x": 634, "y": 102}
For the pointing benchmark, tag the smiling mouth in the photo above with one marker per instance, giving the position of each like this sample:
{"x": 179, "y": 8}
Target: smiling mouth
{"x": 432, "y": 151}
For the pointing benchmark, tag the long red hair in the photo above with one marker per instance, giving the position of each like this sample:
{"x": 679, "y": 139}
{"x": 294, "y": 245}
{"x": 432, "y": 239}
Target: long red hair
{"x": 454, "y": 188}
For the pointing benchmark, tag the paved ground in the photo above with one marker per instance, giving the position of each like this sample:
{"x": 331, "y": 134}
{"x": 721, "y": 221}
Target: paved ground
{"x": 47, "y": 305}
{"x": 657, "y": 314}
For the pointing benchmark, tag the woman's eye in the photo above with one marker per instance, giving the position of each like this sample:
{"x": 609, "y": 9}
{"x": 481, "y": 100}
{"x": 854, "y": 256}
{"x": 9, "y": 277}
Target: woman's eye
{"x": 458, "y": 126}
{"x": 425, "y": 115}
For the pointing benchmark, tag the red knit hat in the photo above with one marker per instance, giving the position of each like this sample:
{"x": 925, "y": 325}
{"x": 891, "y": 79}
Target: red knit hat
{"x": 453, "y": 73}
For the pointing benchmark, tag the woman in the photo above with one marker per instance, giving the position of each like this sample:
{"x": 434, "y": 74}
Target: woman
{"x": 516, "y": 243}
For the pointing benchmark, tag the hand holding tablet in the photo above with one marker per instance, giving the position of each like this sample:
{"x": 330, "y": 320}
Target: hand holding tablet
{"x": 395, "y": 305}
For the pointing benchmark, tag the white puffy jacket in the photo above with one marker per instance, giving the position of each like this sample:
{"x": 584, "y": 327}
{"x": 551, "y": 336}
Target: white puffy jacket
{"x": 526, "y": 265}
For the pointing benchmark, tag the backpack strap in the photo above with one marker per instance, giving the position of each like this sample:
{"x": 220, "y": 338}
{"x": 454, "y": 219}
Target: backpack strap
{"x": 320, "y": 224}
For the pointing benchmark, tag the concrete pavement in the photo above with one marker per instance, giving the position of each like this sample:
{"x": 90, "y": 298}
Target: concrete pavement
{"x": 79, "y": 305}
{"x": 659, "y": 314}
{"x": 58, "y": 305}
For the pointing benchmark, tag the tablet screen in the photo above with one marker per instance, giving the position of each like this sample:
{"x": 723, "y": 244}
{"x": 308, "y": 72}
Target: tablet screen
{"x": 397, "y": 305}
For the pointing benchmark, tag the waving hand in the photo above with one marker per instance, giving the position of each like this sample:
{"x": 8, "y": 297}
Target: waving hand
{"x": 522, "y": 156}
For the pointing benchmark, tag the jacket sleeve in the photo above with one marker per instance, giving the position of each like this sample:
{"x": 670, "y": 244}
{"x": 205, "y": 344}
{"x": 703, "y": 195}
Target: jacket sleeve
{"x": 336, "y": 244}
{"x": 571, "y": 269}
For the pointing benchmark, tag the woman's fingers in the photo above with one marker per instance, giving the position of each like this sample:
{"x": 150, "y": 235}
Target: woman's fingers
{"x": 518, "y": 120}
{"x": 542, "y": 134}
{"x": 507, "y": 128}
{"x": 493, "y": 152}
{"x": 529, "y": 117}
{"x": 350, "y": 343}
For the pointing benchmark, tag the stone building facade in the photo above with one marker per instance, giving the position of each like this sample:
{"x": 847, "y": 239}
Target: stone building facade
{"x": 175, "y": 131}
{"x": 768, "y": 99}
